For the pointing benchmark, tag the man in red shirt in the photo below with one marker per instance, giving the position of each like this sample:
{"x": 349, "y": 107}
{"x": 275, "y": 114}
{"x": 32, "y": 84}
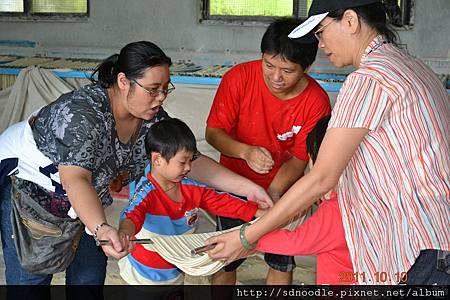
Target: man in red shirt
{"x": 261, "y": 115}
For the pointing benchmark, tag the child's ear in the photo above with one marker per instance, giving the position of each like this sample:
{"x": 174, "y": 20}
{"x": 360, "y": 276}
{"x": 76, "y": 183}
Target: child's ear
{"x": 156, "y": 158}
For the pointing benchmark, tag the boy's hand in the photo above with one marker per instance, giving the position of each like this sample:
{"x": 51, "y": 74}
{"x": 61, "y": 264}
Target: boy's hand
{"x": 125, "y": 239}
{"x": 126, "y": 232}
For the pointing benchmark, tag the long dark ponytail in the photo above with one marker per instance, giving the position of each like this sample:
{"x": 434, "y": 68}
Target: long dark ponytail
{"x": 376, "y": 15}
{"x": 133, "y": 59}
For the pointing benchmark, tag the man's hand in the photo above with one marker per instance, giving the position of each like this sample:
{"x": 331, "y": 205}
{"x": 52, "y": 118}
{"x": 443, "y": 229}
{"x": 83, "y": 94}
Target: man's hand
{"x": 258, "y": 159}
{"x": 256, "y": 193}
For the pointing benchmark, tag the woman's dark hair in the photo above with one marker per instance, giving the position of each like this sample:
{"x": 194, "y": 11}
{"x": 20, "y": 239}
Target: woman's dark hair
{"x": 275, "y": 41}
{"x": 376, "y": 15}
{"x": 133, "y": 59}
{"x": 315, "y": 137}
{"x": 169, "y": 136}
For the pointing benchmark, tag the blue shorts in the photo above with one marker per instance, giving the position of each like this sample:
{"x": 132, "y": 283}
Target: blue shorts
{"x": 282, "y": 263}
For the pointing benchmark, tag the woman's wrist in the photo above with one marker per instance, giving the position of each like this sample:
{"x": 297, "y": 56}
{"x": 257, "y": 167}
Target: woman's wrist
{"x": 243, "y": 238}
{"x": 97, "y": 229}
{"x": 252, "y": 232}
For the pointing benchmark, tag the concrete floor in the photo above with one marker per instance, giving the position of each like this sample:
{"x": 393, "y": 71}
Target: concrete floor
{"x": 252, "y": 271}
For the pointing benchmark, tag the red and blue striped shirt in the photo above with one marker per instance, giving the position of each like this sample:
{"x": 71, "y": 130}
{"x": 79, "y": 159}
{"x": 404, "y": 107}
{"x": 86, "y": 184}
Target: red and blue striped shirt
{"x": 154, "y": 213}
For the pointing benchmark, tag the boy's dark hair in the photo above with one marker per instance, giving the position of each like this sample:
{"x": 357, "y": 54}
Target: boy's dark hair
{"x": 169, "y": 136}
{"x": 275, "y": 41}
{"x": 315, "y": 137}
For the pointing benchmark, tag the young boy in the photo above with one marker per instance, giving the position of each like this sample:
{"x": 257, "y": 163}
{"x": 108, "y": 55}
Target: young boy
{"x": 322, "y": 234}
{"x": 167, "y": 203}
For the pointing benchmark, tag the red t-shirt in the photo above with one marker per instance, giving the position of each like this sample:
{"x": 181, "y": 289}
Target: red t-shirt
{"x": 246, "y": 109}
{"x": 323, "y": 235}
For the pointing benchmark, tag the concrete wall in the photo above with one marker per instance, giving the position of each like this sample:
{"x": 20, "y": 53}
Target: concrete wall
{"x": 174, "y": 25}
{"x": 430, "y": 36}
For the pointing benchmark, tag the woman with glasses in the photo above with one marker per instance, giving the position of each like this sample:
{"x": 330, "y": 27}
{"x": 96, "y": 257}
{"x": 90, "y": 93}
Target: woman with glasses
{"x": 84, "y": 140}
{"x": 386, "y": 148}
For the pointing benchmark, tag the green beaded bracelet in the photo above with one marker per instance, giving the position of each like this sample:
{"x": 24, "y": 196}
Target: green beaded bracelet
{"x": 244, "y": 241}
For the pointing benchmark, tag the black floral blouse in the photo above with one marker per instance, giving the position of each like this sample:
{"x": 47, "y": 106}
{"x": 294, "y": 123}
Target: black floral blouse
{"x": 78, "y": 129}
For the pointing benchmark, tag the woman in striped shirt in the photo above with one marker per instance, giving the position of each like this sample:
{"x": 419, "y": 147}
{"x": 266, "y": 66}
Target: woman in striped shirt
{"x": 387, "y": 148}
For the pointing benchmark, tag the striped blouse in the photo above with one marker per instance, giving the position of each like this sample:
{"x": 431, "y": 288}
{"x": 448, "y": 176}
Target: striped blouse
{"x": 394, "y": 194}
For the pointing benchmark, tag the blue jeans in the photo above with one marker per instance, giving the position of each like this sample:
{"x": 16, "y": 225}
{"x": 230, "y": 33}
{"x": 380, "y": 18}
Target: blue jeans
{"x": 87, "y": 268}
{"x": 428, "y": 270}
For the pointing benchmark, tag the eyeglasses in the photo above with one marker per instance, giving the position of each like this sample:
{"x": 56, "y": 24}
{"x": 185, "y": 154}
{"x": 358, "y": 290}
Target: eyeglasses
{"x": 157, "y": 92}
{"x": 318, "y": 32}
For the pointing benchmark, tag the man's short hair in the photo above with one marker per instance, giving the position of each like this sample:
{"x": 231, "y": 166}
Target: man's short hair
{"x": 169, "y": 136}
{"x": 276, "y": 42}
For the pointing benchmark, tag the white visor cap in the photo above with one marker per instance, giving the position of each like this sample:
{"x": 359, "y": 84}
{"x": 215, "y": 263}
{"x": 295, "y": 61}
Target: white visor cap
{"x": 307, "y": 26}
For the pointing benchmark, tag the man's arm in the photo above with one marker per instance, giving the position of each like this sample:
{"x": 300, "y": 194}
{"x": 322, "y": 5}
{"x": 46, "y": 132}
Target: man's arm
{"x": 258, "y": 158}
{"x": 209, "y": 172}
{"x": 286, "y": 176}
